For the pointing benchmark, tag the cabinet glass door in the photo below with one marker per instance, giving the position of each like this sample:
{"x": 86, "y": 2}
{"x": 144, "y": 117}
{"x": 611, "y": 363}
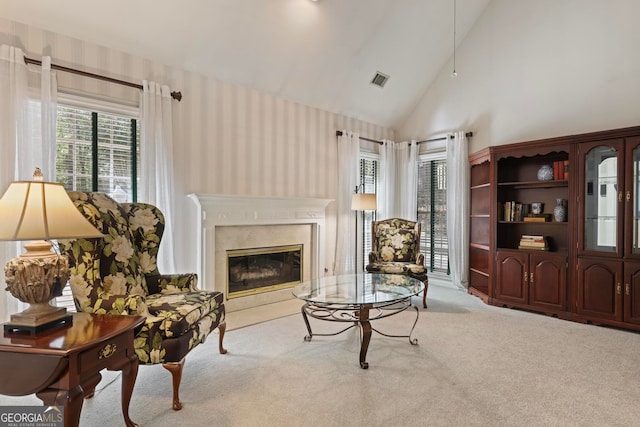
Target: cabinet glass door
{"x": 601, "y": 199}
{"x": 635, "y": 200}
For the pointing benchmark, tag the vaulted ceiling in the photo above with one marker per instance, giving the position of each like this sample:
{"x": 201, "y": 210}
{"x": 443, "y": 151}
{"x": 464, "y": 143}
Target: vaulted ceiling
{"x": 323, "y": 53}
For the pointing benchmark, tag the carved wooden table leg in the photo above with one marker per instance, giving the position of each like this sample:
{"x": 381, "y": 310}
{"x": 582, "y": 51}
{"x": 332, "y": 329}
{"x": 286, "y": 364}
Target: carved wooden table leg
{"x": 129, "y": 374}
{"x": 363, "y": 318}
{"x": 71, "y": 400}
{"x": 89, "y": 385}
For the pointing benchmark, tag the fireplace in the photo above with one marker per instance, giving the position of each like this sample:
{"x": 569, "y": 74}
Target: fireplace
{"x": 228, "y": 223}
{"x": 251, "y": 271}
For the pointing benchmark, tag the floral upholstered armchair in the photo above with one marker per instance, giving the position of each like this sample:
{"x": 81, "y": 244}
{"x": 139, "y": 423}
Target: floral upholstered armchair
{"x": 395, "y": 250}
{"x": 118, "y": 275}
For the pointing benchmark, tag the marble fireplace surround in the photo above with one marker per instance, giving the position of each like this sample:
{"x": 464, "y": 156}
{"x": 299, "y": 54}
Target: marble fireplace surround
{"x": 241, "y": 222}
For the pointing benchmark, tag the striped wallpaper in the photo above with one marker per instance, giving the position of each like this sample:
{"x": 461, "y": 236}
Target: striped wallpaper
{"x": 228, "y": 139}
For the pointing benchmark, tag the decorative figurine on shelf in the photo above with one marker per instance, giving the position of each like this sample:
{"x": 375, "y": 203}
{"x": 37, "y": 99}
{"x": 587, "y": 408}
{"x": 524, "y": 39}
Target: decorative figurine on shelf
{"x": 536, "y": 208}
{"x": 560, "y": 211}
{"x": 545, "y": 173}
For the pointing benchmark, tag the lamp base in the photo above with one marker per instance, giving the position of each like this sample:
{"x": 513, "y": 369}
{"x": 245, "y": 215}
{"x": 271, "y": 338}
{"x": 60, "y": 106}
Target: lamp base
{"x": 32, "y": 330}
{"x": 38, "y": 315}
{"x": 36, "y": 277}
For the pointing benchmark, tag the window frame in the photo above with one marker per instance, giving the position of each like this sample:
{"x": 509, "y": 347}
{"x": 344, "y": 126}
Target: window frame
{"x": 364, "y": 221}
{"x": 104, "y": 106}
{"x": 435, "y": 154}
{"x": 107, "y": 106}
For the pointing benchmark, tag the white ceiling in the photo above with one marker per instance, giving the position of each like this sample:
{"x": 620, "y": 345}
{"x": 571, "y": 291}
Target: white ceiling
{"x": 322, "y": 54}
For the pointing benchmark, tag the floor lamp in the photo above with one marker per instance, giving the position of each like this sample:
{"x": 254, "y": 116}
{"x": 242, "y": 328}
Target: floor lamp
{"x": 361, "y": 202}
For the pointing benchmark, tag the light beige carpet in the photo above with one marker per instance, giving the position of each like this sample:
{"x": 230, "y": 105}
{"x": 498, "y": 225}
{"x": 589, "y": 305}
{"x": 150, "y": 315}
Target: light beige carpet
{"x": 475, "y": 365}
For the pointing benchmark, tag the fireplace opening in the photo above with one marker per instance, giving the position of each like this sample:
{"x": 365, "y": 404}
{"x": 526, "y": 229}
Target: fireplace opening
{"x": 256, "y": 270}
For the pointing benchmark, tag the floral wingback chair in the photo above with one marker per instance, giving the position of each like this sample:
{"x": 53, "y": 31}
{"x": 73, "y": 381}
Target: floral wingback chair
{"x": 118, "y": 275}
{"x": 395, "y": 250}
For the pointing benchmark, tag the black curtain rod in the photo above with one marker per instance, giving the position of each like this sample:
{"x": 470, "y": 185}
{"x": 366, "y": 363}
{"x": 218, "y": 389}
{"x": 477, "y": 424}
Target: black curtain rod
{"x": 175, "y": 95}
{"x": 468, "y": 135}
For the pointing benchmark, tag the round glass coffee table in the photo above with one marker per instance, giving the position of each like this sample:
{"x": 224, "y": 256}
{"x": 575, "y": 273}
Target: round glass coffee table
{"x": 358, "y": 299}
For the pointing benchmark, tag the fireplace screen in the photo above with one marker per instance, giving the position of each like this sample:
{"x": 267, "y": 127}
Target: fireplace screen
{"x": 251, "y": 271}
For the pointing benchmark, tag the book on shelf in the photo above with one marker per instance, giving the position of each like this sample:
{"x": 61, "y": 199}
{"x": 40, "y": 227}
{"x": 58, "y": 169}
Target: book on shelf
{"x": 537, "y": 218}
{"x": 533, "y": 244}
{"x": 532, "y": 248}
{"x": 529, "y": 241}
{"x": 514, "y": 211}
{"x": 561, "y": 169}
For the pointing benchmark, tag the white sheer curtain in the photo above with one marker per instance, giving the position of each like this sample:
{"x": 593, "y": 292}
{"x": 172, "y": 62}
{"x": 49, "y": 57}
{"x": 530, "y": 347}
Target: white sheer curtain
{"x": 27, "y": 134}
{"x": 156, "y": 161}
{"x": 398, "y": 180}
{"x": 408, "y": 194}
{"x": 386, "y": 181}
{"x": 458, "y": 208}
{"x": 348, "y": 170}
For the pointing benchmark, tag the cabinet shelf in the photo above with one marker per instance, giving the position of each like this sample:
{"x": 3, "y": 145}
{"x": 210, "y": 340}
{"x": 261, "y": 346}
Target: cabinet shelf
{"x": 535, "y": 184}
{"x": 476, "y": 187}
{"x": 543, "y": 224}
{"x": 561, "y": 251}
{"x": 480, "y": 272}
{"x": 479, "y": 246}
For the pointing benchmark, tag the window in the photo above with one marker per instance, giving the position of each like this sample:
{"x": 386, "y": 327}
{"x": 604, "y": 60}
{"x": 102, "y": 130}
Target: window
{"x": 432, "y": 212}
{"x": 368, "y": 179}
{"x": 97, "y": 151}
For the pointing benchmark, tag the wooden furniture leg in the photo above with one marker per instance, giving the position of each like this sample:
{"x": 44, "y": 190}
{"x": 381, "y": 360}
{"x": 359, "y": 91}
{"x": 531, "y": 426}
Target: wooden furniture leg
{"x": 71, "y": 400}
{"x": 222, "y": 327}
{"x": 176, "y": 374}
{"x": 129, "y": 374}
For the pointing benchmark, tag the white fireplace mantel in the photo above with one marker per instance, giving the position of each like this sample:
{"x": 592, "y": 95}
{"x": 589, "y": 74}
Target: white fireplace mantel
{"x": 216, "y": 210}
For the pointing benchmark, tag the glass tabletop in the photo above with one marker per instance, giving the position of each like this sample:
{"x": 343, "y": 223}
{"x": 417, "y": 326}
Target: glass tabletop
{"x": 363, "y": 288}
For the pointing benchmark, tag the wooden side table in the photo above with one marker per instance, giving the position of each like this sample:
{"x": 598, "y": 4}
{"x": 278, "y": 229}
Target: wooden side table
{"x": 63, "y": 366}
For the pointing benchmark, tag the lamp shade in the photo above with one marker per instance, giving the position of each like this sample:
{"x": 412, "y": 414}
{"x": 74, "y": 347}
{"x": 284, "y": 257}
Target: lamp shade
{"x": 363, "y": 202}
{"x": 36, "y": 210}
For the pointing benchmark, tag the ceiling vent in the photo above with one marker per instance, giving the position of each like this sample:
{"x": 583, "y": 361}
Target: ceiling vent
{"x": 379, "y": 79}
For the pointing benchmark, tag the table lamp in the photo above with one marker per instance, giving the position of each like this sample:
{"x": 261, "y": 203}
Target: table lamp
{"x": 361, "y": 202}
{"x": 39, "y": 211}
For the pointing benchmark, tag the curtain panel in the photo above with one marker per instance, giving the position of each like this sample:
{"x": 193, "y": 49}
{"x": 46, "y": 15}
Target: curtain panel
{"x": 398, "y": 180}
{"x": 27, "y": 134}
{"x": 458, "y": 208}
{"x": 156, "y": 163}
{"x": 348, "y": 179}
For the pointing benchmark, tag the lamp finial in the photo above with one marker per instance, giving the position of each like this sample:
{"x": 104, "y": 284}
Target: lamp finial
{"x": 37, "y": 175}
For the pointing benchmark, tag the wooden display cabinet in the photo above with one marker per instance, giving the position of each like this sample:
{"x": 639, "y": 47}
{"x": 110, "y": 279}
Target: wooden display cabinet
{"x": 480, "y": 265}
{"x": 531, "y": 280}
{"x": 608, "y": 249}
{"x": 590, "y": 270}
